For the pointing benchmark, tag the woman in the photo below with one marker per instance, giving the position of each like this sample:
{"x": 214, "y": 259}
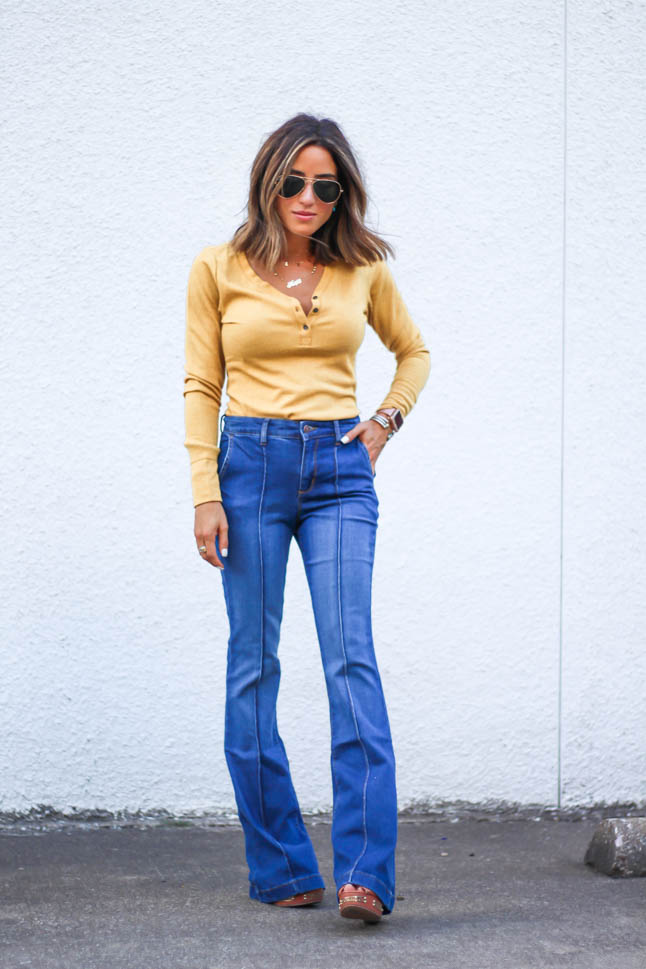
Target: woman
{"x": 281, "y": 310}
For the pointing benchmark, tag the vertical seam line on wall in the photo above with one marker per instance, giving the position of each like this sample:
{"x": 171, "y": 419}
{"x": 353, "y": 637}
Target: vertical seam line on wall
{"x": 559, "y": 780}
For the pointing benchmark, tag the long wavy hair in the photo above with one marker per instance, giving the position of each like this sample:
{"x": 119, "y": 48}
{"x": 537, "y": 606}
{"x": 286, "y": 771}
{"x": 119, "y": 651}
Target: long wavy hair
{"x": 344, "y": 236}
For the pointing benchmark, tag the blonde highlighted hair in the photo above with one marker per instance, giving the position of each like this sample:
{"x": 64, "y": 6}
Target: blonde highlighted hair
{"x": 344, "y": 236}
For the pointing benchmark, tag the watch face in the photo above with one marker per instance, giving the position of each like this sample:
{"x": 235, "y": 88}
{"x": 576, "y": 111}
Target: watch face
{"x": 399, "y": 420}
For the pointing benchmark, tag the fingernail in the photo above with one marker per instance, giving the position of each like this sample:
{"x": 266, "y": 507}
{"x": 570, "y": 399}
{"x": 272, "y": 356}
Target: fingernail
{"x": 345, "y": 439}
{"x": 224, "y": 552}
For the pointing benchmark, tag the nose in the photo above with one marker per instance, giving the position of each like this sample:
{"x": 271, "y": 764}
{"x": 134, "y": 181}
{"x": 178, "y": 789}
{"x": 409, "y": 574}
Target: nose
{"x": 307, "y": 195}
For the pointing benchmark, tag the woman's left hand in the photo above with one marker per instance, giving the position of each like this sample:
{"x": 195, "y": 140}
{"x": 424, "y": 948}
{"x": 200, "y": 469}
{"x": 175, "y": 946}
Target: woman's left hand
{"x": 372, "y": 434}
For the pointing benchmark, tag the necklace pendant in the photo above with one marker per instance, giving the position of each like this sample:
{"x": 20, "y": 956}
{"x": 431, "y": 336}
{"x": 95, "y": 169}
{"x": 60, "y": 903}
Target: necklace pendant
{"x": 294, "y": 282}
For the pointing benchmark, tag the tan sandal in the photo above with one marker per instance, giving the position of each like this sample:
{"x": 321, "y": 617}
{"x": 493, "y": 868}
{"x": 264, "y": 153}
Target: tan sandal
{"x": 359, "y": 902}
{"x": 304, "y": 898}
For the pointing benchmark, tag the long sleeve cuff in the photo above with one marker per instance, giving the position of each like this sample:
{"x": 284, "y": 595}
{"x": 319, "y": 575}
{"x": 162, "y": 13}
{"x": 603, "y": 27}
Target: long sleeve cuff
{"x": 205, "y": 482}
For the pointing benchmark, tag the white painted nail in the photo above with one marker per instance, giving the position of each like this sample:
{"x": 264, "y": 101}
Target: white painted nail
{"x": 344, "y": 439}
{"x": 224, "y": 552}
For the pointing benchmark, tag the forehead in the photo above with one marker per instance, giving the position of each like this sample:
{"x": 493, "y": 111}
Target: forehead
{"x": 314, "y": 160}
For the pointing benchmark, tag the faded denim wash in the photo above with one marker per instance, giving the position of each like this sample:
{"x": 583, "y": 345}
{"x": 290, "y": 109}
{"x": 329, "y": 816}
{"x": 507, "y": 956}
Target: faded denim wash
{"x": 294, "y": 478}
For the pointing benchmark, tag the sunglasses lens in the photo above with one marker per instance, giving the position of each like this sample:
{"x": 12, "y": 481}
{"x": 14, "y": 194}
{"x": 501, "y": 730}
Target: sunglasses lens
{"x": 291, "y": 186}
{"x": 327, "y": 191}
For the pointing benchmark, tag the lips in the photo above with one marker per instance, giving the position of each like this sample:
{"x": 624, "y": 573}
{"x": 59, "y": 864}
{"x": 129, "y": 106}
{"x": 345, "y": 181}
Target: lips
{"x": 304, "y": 215}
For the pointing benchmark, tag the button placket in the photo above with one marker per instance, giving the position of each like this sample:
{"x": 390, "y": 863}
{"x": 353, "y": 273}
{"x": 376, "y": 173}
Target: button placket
{"x": 314, "y": 309}
{"x": 305, "y": 326}
{"x": 305, "y": 336}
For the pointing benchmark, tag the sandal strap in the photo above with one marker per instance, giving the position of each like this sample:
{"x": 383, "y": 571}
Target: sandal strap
{"x": 364, "y": 897}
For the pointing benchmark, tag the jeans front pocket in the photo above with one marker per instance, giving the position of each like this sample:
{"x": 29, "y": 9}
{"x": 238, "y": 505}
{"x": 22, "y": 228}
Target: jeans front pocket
{"x": 365, "y": 450}
{"x": 224, "y": 457}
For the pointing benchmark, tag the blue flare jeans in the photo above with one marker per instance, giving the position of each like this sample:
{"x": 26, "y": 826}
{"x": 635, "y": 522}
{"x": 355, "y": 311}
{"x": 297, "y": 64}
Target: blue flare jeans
{"x": 281, "y": 478}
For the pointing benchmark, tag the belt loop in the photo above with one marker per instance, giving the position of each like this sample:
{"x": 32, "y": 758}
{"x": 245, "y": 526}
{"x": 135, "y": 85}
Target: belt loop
{"x": 221, "y": 423}
{"x": 337, "y": 433}
{"x": 263, "y": 430}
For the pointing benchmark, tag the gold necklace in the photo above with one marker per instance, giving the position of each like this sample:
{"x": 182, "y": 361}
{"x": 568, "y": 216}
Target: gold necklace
{"x": 293, "y": 282}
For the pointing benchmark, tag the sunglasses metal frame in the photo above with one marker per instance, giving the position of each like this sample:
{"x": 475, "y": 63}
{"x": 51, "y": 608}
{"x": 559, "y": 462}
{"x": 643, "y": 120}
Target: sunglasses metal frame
{"x": 308, "y": 178}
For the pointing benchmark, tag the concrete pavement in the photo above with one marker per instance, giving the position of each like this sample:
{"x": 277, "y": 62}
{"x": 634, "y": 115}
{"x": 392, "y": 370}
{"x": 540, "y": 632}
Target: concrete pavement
{"x": 472, "y": 894}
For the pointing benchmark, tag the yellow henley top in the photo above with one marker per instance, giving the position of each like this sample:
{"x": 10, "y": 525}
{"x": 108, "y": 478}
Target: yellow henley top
{"x": 278, "y": 361}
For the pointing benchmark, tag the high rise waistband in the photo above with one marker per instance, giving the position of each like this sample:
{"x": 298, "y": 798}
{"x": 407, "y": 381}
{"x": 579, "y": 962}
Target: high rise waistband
{"x": 282, "y": 427}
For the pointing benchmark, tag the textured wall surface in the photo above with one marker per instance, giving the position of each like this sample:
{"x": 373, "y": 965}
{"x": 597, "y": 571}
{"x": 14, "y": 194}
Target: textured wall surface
{"x": 503, "y": 148}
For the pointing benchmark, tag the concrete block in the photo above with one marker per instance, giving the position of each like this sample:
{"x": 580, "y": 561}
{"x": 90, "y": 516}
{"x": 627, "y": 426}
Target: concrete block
{"x": 618, "y": 847}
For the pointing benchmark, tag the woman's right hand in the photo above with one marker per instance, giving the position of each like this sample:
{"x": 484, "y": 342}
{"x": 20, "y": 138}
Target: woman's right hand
{"x": 211, "y": 520}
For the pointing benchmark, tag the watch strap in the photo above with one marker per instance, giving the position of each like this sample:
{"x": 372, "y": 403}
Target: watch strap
{"x": 388, "y": 418}
{"x": 394, "y": 416}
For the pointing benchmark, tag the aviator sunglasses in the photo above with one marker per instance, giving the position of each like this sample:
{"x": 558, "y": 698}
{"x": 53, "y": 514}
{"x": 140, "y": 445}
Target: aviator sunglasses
{"x": 326, "y": 189}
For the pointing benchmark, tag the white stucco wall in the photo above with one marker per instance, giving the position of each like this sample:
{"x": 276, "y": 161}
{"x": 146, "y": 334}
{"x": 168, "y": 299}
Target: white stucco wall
{"x": 509, "y": 608}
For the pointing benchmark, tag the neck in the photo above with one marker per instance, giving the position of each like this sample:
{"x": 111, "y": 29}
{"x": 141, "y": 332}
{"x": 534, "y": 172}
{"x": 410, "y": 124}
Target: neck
{"x": 298, "y": 248}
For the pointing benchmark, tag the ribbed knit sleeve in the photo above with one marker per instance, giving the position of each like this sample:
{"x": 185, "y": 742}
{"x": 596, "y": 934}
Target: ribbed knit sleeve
{"x": 204, "y": 377}
{"x": 389, "y": 317}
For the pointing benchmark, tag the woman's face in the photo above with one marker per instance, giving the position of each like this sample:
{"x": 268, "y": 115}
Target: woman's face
{"x": 313, "y": 161}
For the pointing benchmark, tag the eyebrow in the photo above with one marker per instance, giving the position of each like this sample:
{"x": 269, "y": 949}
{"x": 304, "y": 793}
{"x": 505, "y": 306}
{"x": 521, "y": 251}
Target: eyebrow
{"x": 297, "y": 171}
